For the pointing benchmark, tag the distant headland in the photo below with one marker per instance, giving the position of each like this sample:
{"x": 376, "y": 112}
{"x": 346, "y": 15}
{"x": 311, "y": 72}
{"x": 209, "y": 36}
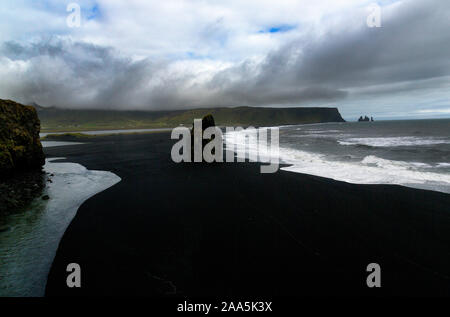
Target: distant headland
{"x": 56, "y": 119}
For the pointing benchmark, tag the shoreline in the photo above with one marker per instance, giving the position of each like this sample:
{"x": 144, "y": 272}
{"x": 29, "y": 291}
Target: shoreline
{"x": 29, "y": 245}
{"x": 372, "y": 167}
{"x": 99, "y": 132}
{"x": 226, "y": 230}
{"x": 290, "y": 165}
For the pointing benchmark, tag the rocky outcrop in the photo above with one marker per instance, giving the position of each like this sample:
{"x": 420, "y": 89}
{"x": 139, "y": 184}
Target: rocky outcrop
{"x": 207, "y": 122}
{"x": 20, "y": 146}
{"x": 18, "y": 191}
{"x": 365, "y": 119}
{"x": 21, "y": 156}
{"x": 361, "y": 119}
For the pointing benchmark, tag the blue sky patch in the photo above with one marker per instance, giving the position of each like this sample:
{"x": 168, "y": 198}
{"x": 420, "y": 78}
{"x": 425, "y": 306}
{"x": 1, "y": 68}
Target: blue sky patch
{"x": 93, "y": 13}
{"x": 278, "y": 29}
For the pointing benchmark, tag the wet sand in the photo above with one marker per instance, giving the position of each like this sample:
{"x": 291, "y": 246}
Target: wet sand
{"x": 226, "y": 230}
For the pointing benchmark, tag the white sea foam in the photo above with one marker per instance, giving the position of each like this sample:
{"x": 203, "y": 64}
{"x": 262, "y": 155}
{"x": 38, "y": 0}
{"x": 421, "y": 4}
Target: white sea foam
{"x": 27, "y": 249}
{"x": 370, "y": 170}
{"x": 322, "y": 135}
{"x": 393, "y": 141}
{"x": 244, "y": 143}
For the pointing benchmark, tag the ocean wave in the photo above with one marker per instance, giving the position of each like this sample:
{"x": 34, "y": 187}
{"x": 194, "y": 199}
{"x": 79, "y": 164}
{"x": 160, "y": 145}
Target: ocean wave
{"x": 393, "y": 141}
{"x": 318, "y": 131}
{"x": 369, "y": 170}
{"x": 318, "y": 136}
{"x": 384, "y": 163}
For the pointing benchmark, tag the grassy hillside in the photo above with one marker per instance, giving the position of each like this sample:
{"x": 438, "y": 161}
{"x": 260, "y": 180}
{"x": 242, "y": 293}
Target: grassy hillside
{"x": 54, "y": 119}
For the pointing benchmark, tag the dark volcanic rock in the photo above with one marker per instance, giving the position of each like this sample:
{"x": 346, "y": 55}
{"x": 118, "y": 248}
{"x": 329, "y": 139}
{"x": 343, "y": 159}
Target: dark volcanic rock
{"x": 20, "y": 146}
{"x": 21, "y": 156}
{"x": 207, "y": 122}
{"x": 19, "y": 190}
{"x": 365, "y": 119}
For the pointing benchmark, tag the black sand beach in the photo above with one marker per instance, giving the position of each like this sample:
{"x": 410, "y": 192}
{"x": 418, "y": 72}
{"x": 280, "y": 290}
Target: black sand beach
{"x": 227, "y": 230}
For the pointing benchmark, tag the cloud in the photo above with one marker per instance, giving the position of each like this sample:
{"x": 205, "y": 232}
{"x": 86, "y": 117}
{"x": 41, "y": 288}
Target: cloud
{"x": 176, "y": 54}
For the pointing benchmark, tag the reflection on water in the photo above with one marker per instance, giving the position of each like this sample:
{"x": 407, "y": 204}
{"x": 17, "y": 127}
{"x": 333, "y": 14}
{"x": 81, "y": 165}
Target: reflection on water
{"x": 29, "y": 239}
{"x": 20, "y": 232}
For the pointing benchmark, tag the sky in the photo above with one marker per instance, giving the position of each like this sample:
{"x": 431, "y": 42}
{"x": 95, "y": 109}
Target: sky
{"x": 174, "y": 54}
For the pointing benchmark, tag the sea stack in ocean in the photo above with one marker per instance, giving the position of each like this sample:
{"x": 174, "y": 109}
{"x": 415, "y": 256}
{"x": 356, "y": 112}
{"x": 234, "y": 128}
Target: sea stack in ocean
{"x": 20, "y": 146}
{"x": 365, "y": 119}
{"x": 207, "y": 121}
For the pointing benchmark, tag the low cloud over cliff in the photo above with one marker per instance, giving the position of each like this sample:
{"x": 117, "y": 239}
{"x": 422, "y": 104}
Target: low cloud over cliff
{"x": 232, "y": 54}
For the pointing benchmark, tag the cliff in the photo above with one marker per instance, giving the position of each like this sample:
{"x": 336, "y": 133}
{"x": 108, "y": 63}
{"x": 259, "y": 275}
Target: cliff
{"x": 55, "y": 119}
{"x": 20, "y": 146}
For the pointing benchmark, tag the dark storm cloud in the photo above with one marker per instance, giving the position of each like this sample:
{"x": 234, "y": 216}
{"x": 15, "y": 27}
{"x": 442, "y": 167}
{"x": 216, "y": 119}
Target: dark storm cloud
{"x": 412, "y": 46}
{"x": 77, "y": 74}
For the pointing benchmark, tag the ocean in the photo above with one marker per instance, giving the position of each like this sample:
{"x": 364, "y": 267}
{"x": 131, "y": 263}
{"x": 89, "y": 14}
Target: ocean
{"x": 413, "y": 153}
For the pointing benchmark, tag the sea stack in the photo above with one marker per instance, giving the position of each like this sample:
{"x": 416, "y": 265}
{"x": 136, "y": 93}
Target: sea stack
{"x": 207, "y": 122}
{"x": 20, "y": 146}
{"x": 365, "y": 119}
